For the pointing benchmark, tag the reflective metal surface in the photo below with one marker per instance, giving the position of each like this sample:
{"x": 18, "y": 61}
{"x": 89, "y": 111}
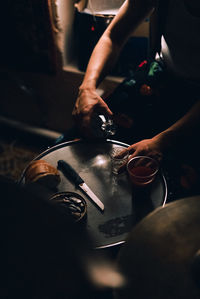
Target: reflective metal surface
{"x": 123, "y": 205}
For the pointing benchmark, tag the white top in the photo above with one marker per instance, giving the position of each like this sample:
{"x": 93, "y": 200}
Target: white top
{"x": 181, "y": 41}
{"x": 103, "y": 7}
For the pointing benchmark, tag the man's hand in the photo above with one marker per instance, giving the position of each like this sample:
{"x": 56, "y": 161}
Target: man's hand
{"x": 146, "y": 147}
{"x": 87, "y": 105}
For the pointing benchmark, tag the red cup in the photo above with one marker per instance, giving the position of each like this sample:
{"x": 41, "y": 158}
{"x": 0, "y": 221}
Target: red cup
{"x": 142, "y": 170}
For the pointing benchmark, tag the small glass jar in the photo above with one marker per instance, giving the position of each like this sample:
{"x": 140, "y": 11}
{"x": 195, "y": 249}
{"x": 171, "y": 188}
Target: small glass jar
{"x": 102, "y": 126}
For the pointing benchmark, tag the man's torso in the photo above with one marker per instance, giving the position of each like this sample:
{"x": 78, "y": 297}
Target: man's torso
{"x": 181, "y": 38}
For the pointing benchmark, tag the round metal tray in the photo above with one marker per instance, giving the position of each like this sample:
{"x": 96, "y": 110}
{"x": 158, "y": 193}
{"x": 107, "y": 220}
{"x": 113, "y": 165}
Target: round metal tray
{"x": 123, "y": 205}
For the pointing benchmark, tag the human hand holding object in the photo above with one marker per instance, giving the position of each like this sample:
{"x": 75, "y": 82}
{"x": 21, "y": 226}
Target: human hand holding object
{"x": 147, "y": 147}
{"x": 89, "y": 104}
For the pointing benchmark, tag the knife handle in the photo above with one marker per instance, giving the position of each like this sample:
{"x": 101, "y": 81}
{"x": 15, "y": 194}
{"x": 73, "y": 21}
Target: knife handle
{"x": 69, "y": 172}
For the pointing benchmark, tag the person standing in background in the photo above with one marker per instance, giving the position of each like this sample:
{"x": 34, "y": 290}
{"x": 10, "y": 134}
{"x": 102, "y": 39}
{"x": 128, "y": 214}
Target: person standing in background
{"x": 179, "y": 53}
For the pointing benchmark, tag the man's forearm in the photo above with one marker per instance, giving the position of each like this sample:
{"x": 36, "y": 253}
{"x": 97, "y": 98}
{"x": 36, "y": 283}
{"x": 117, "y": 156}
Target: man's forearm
{"x": 107, "y": 50}
{"x": 184, "y": 130}
{"x": 101, "y": 62}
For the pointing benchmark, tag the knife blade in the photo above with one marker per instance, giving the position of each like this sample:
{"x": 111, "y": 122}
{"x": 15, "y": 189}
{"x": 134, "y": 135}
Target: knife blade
{"x": 71, "y": 174}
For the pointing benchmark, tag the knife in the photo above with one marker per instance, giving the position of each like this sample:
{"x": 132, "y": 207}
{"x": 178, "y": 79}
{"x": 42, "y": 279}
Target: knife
{"x": 71, "y": 174}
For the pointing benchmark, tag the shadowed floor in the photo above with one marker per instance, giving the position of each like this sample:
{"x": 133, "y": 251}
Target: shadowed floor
{"x": 14, "y": 156}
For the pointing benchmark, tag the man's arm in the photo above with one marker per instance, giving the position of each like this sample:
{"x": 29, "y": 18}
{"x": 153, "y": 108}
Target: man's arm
{"x": 107, "y": 50}
{"x": 183, "y": 132}
{"x": 180, "y": 135}
{"x": 104, "y": 57}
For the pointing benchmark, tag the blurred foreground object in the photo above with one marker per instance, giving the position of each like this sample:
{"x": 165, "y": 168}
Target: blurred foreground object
{"x": 43, "y": 253}
{"x": 161, "y": 256}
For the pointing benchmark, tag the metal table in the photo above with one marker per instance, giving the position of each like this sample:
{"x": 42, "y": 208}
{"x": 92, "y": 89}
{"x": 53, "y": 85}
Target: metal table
{"x": 122, "y": 203}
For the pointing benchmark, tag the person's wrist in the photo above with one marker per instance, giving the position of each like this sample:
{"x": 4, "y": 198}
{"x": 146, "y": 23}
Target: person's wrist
{"x": 166, "y": 140}
{"x": 86, "y": 91}
{"x": 89, "y": 85}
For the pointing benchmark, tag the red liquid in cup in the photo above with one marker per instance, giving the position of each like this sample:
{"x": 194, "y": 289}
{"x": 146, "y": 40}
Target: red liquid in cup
{"x": 141, "y": 171}
{"x": 141, "y": 175}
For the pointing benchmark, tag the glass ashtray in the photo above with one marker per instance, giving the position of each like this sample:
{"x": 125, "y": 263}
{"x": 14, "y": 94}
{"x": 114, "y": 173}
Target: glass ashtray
{"x": 72, "y": 204}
